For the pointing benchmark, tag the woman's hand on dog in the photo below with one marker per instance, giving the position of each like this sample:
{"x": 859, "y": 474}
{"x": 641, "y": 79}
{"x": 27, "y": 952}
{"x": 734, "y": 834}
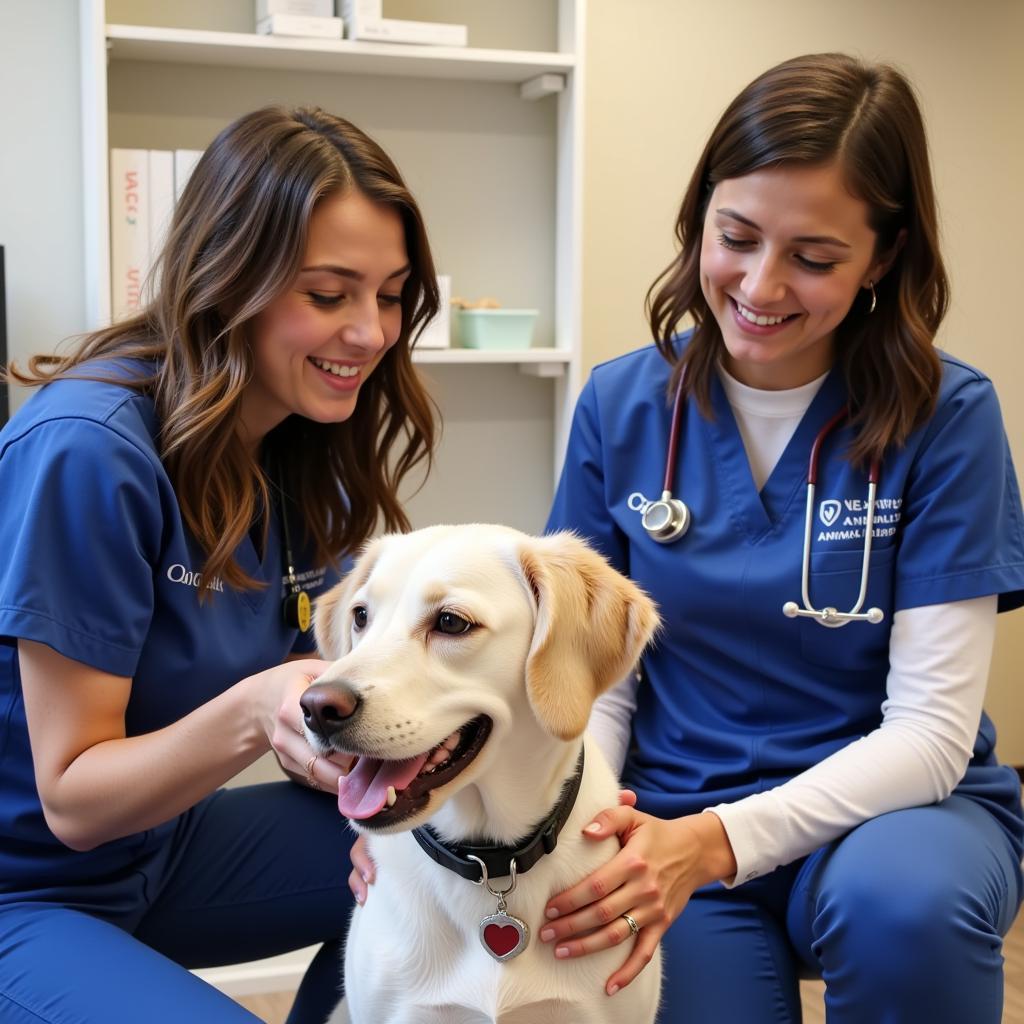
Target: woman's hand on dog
{"x": 279, "y": 716}
{"x": 364, "y": 871}
{"x": 659, "y": 866}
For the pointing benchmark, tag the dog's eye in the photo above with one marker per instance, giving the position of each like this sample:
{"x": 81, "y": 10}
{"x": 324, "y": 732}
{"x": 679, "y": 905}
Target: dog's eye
{"x": 452, "y": 624}
{"x": 359, "y": 616}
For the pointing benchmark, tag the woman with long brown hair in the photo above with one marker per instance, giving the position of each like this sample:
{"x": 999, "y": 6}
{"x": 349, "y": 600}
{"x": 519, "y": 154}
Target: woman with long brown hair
{"x": 173, "y": 495}
{"x": 806, "y": 730}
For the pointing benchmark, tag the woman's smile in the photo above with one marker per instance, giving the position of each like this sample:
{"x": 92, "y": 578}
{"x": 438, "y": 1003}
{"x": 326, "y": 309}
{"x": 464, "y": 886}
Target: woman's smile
{"x": 340, "y": 375}
{"x": 757, "y": 322}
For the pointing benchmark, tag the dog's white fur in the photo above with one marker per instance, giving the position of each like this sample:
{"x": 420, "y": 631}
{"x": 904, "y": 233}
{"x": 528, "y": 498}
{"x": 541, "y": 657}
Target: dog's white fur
{"x": 556, "y": 626}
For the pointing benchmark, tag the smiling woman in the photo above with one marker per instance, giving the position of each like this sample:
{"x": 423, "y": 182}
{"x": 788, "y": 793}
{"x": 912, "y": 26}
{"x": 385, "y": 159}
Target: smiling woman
{"x": 175, "y": 479}
{"x": 842, "y": 784}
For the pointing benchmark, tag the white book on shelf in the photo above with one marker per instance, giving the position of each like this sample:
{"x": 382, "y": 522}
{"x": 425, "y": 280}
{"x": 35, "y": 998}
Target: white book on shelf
{"x": 161, "y": 207}
{"x": 129, "y": 229}
{"x": 185, "y": 161}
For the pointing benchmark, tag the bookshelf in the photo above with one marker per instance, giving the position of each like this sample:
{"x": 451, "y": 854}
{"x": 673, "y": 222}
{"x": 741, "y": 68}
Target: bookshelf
{"x": 242, "y": 49}
{"x": 497, "y": 174}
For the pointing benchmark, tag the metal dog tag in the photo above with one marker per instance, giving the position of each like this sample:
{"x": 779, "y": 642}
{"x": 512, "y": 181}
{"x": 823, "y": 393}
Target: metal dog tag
{"x": 501, "y": 934}
{"x": 504, "y": 936}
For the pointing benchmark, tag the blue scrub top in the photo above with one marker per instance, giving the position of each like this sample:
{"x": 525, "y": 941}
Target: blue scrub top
{"x": 736, "y": 698}
{"x": 99, "y": 566}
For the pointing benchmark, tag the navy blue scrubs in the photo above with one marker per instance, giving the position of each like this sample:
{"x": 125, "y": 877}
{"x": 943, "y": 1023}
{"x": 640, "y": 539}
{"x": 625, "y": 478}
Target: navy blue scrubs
{"x": 736, "y": 698}
{"x": 99, "y": 566}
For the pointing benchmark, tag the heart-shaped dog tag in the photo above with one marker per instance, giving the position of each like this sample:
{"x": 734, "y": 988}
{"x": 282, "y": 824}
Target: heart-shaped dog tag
{"x": 503, "y": 936}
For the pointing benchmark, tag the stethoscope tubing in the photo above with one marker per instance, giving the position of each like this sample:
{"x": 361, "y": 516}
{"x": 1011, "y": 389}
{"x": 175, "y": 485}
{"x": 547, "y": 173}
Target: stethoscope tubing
{"x": 667, "y": 519}
{"x": 829, "y": 616}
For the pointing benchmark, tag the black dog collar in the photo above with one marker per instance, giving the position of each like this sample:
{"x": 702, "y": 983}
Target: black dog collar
{"x": 498, "y": 859}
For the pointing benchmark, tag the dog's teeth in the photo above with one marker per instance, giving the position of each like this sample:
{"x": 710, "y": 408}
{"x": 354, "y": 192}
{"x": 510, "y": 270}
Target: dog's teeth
{"x": 452, "y": 742}
{"x": 392, "y": 796}
{"x": 440, "y": 755}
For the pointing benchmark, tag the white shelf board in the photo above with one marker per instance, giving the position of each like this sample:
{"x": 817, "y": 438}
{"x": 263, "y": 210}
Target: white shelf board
{"x": 476, "y": 356}
{"x": 243, "y": 49}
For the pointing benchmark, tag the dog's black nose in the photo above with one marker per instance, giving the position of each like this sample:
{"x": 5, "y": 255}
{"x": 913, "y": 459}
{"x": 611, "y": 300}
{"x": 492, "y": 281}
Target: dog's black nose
{"x": 327, "y": 706}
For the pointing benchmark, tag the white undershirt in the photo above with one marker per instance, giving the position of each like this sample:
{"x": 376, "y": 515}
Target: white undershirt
{"x": 939, "y": 658}
{"x": 767, "y": 419}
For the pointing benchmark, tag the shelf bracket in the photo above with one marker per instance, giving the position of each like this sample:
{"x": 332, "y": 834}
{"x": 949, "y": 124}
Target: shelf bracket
{"x": 543, "y": 85}
{"x": 542, "y": 369}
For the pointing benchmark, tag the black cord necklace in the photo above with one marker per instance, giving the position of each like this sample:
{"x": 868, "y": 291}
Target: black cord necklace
{"x": 295, "y": 608}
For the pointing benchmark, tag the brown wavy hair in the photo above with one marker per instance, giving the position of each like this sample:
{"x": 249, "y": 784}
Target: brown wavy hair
{"x": 237, "y": 241}
{"x": 815, "y": 110}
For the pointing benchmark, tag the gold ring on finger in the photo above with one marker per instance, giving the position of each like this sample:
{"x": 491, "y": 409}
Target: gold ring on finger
{"x": 634, "y": 928}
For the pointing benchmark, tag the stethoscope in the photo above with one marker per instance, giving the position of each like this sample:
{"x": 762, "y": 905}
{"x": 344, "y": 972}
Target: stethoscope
{"x": 668, "y": 518}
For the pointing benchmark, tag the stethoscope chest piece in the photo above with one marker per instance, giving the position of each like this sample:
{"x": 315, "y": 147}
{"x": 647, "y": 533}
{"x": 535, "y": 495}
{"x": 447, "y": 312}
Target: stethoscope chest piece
{"x": 667, "y": 519}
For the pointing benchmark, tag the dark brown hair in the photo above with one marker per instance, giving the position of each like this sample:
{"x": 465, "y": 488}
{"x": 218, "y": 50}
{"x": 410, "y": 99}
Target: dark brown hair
{"x": 815, "y": 110}
{"x": 236, "y": 242}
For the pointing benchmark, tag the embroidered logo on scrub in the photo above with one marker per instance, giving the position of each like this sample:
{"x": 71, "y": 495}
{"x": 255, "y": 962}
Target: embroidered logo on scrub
{"x": 177, "y": 573}
{"x": 851, "y": 516}
{"x": 828, "y": 511}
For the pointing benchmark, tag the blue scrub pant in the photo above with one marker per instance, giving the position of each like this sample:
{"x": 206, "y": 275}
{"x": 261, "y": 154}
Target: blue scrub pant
{"x": 250, "y": 872}
{"x": 903, "y": 918}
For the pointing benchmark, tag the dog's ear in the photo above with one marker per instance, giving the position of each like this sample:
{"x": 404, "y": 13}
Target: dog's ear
{"x": 592, "y": 626}
{"x": 333, "y": 638}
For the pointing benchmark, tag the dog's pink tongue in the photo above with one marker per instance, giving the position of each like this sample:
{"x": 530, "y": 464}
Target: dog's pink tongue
{"x": 364, "y": 791}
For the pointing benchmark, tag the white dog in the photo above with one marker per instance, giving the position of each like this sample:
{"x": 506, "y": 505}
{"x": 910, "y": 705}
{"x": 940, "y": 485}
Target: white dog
{"x": 468, "y": 658}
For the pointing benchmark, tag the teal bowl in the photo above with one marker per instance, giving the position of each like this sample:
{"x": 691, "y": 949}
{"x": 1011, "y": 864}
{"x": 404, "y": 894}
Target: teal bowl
{"x": 496, "y": 328}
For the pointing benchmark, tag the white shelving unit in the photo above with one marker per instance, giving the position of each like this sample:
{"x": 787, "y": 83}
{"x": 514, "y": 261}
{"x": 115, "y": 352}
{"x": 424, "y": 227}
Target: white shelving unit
{"x": 497, "y": 174}
{"x": 242, "y": 49}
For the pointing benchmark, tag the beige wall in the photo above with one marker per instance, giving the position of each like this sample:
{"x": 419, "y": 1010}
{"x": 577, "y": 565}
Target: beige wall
{"x": 660, "y": 72}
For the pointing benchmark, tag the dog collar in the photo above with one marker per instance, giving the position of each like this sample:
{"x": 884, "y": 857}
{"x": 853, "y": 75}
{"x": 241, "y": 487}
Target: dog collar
{"x": 498, "y": 859}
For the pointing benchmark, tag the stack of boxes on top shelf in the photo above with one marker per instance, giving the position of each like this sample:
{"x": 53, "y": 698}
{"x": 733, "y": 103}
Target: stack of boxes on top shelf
{"x": 312, "y": 19}
{"x": 355, "y": 19}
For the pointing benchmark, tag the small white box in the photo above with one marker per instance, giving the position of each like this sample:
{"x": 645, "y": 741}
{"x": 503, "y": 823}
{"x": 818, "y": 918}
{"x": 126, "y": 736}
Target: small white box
{"x": 304, "y": 8}
{"x": 425, "y": 33}
{"x": 358, "y": 13}
{"x": 438, "y": 332}
{"x": 299, "y": 25}
{"x": 363, "y": 21}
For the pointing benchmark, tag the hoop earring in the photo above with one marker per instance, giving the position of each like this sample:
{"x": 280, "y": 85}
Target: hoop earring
{"x": 874, "y": 298}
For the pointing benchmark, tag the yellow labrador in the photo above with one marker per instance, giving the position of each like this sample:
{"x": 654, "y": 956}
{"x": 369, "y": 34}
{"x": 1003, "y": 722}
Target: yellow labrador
{"x": 467, "y": 661}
